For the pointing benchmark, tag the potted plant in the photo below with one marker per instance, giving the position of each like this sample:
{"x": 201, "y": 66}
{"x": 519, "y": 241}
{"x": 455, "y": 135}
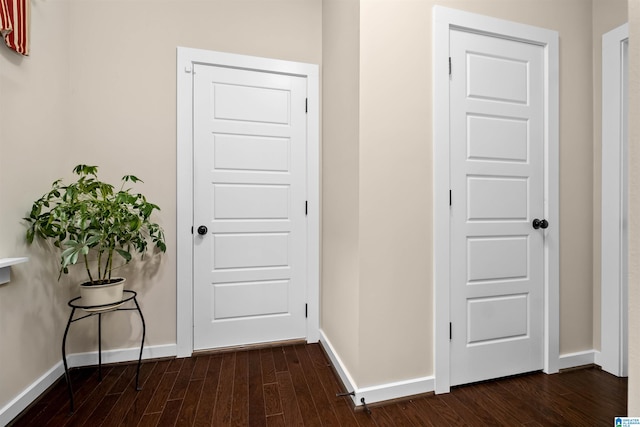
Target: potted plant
{"x": 92, "y": 223}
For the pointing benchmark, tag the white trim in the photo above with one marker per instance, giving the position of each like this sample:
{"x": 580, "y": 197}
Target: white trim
{"x": 5, "y": 268}
{"x": 580, "y": 358}
{"x": 343, "y": 373}
{"x": 30, "y": 394}
{"x": 186, "y": 57}
{"x": 8, "y": 262}
{"x": 313, "y": 197}
{"x": 395, "y": 390}
{"x": 39, "y": 386}
{"x": 121, "y": 355}
{"x": 443, "y": 20}
{"x": 184, "y": 208}
{"x": 613, "y": 314}
{"x": 597, "y": 358}
{"x": 377, "y": 393}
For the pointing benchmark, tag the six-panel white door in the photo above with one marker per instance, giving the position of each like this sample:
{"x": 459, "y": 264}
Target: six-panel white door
{"x": 496, "y": 94}
{"x": 249, "y": 192}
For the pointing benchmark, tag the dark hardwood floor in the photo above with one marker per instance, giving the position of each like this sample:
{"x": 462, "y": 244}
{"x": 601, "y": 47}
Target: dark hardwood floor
{"x": 296, "y": 386}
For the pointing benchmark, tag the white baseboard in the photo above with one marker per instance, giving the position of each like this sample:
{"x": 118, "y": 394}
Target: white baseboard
{"x": 39, "y": 386}
{"x": 390, "y": 391}
{"x": 347, "y": 381}
{"x": 121, "y": 355}
{"x": 377, "y": 393}
{"x": 581, "y": 358}
{"x": 30, "y": 394}
{"x": 597, "y": 357}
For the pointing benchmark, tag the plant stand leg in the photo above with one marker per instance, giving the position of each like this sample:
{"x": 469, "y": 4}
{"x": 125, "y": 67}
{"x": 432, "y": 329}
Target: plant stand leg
{"x": 100, "y": 346}
{"x": 144, "y": 330}
{"x": 64, "y": 359}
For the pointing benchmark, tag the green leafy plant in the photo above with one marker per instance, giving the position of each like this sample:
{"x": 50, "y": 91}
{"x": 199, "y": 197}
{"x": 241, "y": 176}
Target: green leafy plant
{"x": 90, "y": 221}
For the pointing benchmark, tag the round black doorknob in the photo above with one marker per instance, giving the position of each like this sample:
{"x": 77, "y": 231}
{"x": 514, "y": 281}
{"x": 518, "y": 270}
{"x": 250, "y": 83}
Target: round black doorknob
{"x": 202, "y": 230}
{"x": 540, "y": 223}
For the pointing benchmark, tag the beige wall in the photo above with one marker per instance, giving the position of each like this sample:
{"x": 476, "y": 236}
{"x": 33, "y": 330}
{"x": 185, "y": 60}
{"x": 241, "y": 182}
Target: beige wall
{"x": 395, "y": 289}
{"x": 633, "y": 407}
{"x": 340, "y": 181}
{"x": 395, "y": 336}
{"x": 99, "y": 81}
{"x": 34, "y": 128}
{"x": 99, "y": 87}
{"x": 395, "y": 192}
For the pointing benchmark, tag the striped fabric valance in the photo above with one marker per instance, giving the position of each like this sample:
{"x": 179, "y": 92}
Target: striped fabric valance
{"x": 14, "y": 24}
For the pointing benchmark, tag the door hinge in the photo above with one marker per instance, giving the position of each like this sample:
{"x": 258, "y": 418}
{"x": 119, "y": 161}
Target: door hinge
{"x": 306, "y": 208}
{"x": 449, "y": 65}
{"x": 306, "y": 311}
{"x": 449, "y": 197}
{"x": 306, "y": 105}
{"x": 450, "y": 331}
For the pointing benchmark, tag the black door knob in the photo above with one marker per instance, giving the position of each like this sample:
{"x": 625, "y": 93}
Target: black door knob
{"x": 540, "y": 223}
{"x": 202, "y": 230}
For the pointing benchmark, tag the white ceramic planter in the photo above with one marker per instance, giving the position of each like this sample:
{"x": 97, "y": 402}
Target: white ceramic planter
{"x": 106, "y": 295}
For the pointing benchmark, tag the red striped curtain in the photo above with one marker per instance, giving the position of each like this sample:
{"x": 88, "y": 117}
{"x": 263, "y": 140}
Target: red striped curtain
{"x": 14, "y": 24}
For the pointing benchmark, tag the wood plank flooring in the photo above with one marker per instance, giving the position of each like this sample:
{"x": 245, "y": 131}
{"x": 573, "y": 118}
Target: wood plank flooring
{"x": 296, "y": 386}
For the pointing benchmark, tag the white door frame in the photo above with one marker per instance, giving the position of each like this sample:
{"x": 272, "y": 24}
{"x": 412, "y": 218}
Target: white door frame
{"x": 186, "y": 58}
{"x": 614, "y": 292}
{"x": 445, "y": 19}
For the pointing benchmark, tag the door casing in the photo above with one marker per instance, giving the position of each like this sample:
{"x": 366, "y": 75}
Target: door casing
{"x": 186, "y": 57}
{"x": 614, "y": 287}
{"x": 445, "y": 19}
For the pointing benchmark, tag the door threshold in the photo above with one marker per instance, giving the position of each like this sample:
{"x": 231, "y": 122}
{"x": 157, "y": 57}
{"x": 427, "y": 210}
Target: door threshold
{"x": 246, "y": 347}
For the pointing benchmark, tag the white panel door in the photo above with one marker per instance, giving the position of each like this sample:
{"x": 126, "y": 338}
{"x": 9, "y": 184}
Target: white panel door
{"x": 249, "y": 192}
{"x": 496, "y": 94}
